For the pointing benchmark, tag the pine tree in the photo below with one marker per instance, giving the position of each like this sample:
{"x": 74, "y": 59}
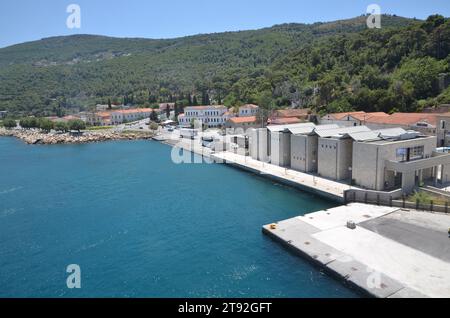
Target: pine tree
{"x": 153, "y": 116}
{"x": 167, "y": 111}
{"x": 175, "y": 107}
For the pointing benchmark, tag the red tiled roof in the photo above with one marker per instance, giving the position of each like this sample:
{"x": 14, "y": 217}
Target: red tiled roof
{"x": 283, "y": 113}
{"x": 405, "y": 119}
{"x": 365, "y": 116}
{"x": 285, "y": 121}
{"x": 339, "y": 116}
{"x": 241, "y": 120}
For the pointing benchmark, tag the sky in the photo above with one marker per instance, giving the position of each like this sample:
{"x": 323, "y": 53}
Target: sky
{"x": 29, "y": 20}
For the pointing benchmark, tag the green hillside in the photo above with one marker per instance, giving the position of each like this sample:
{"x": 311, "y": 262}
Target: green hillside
{"x": 311, "y": 65}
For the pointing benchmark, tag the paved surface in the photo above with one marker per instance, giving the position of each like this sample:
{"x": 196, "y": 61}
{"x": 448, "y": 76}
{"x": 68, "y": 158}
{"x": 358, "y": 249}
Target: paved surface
{"x": 425, "y": 232}
{"x": 312, "y": 182}
{"x": 374, "y": 256}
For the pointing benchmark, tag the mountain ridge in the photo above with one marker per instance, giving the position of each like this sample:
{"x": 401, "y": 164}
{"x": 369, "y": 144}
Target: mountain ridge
{"x": 284, "y": 63}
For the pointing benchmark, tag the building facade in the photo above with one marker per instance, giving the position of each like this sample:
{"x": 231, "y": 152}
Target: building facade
{"x": 242, "y": 122}
{"x": 248, "y": 110}
{"x": 391, "y": 164}
{"x": 211, "y": 116}
{"x": 380, "y": 160}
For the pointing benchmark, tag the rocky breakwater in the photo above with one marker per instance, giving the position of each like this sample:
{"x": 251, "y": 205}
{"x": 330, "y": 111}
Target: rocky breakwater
{"x": 34, "y": 137}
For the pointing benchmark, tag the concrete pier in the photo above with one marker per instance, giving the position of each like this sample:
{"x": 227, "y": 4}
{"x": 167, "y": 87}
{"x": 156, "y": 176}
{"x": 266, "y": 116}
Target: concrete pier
{"x": 374, "y": 257}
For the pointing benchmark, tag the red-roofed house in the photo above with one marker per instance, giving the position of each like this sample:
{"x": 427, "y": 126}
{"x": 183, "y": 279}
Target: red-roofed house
{"x": 350, "y": 118}
{"x": 242, "y": 122}
{"x": 284, "y": 121}
{"x": 289, "y": 116}
{"x": 426, "y": 123}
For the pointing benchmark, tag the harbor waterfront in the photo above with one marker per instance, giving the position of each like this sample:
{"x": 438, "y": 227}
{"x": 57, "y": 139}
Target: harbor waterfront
{"x": 141, "y": 226}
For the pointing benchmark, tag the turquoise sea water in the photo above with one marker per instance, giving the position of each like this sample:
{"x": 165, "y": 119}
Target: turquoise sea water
{"x": 140, "y": 226}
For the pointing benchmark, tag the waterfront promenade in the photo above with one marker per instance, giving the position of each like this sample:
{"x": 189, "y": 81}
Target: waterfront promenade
{"x": 324, "y": 187}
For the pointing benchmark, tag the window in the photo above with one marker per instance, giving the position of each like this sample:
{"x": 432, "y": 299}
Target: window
{"x": 401, "y": 154}
{"x": 417, "y": 153}
{"x": 407, "y": 154}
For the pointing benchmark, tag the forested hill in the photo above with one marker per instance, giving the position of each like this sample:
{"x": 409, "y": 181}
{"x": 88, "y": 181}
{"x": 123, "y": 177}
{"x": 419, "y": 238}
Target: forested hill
{"x": 310, "y": 65}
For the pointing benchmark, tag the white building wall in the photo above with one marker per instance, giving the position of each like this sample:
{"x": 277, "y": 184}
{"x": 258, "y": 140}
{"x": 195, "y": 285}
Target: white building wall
{"x": 280, "y": 147}
{"x": 263, "y": 154}
{"x": 304, "y": 153}
{"x": 253, "y": 143}
{"x": 335, "y": 158}
{"x": 369, "y": 161}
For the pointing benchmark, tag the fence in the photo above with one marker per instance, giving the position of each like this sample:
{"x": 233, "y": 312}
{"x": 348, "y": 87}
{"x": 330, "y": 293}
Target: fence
{"x": 393, "y": 199}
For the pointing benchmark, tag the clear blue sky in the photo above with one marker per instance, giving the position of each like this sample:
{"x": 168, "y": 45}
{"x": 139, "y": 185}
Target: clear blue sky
{"x": 27, "y": 20}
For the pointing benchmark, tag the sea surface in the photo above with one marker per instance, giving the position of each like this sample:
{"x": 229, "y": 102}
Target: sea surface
{"x": 139, "y": 225}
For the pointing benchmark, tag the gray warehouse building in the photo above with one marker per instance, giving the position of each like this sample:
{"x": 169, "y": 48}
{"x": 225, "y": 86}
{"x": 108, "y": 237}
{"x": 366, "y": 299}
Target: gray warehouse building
{"x": 379, "y": 160}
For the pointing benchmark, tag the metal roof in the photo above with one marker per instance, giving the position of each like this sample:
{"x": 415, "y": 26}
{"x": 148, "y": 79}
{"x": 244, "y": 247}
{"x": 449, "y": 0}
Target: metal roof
{"x": 390, "y": 132}
{"x": 340, "y": 132}
{"x": 364, "y": 136}
{"x": 279, "y": 128}
{"x": 330, "y": 126}
{"x": 310, "y": 129}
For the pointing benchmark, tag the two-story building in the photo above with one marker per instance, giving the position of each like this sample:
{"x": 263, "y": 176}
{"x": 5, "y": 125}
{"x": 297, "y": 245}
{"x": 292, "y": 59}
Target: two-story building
{"x": 248, "y": 110}
{"x": 211, "y": 116}
{"x": 129, "y": 115}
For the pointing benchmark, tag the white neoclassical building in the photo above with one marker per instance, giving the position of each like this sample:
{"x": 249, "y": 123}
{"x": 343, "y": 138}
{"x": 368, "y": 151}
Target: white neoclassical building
{"x": 212, "y": 116}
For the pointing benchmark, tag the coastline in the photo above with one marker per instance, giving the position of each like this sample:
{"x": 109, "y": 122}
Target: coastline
{"x": 34, "y": 137}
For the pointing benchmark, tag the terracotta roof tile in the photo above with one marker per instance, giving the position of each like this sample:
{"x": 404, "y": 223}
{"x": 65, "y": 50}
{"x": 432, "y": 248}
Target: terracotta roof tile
{"x": 241, "y": 120}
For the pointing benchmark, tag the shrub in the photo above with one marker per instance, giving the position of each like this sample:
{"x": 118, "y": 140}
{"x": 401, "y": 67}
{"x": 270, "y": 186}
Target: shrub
{"x": 46, "y": 124}
{"x": 29, "y": 122}
{"x": 77, "y": 124}
{"x": 9, "y": 123}
{"x": 61, "y": 126}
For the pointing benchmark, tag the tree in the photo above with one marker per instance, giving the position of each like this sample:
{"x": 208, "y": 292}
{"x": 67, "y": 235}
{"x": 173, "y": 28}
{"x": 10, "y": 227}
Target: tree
{"x": 205, "y": 98}
{"x": 194, "y": 101}
{"x": 76, "y": 124}
{"x": 266, "y": 104}
{"x": 153, "y": 116}
{"x": 423, "y": 74}
{"x": 9, "y": 123}
{"x": 168, "y": 111}
{"x": 109, "y": 104}
{"x": 45, "y": 124}
{"x": 61, "y": 126}
{"x": 29, "y": 122}
{"x": 175, "y": 108}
